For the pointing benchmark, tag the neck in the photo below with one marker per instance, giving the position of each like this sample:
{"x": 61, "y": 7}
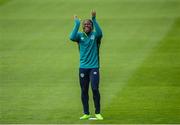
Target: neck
{"x": 87, "y": 33}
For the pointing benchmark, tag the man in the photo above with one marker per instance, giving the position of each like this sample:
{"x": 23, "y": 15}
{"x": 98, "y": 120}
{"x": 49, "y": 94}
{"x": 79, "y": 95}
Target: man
{"x": 88, "y": 42}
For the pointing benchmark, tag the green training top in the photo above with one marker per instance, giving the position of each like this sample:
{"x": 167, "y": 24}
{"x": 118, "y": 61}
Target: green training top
{"x": 88, "y": 44}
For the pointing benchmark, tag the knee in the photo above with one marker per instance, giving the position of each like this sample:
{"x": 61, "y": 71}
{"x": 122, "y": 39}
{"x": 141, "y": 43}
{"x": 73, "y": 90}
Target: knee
{"x": 84, "y": 91}
{"x": 95, "y": 90}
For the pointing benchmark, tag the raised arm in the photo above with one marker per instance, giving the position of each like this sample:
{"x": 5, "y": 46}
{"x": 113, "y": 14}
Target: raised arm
{"x": 74, "y": 34}
{"x": 96, "y": 25}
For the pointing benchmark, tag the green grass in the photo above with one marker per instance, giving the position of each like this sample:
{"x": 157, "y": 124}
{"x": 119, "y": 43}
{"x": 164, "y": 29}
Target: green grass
{"x": 140, "y": 61}
{"x": 3, "y": 1}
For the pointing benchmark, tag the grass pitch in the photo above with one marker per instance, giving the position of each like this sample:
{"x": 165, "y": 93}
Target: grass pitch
{"x": 140, "y": 61}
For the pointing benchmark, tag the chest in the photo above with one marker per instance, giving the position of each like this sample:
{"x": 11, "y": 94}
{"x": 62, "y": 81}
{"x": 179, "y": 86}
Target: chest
{"x": 87, "y": 40}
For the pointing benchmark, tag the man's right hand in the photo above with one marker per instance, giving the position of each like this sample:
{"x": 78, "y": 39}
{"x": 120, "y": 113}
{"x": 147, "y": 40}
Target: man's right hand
{"x": 93, "y": 13}
{"x": 76, "y": 18}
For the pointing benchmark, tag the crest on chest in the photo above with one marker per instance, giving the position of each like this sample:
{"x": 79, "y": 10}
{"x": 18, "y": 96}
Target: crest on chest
{"x": 82, "y": 38}
{"x": 92, "y": 37}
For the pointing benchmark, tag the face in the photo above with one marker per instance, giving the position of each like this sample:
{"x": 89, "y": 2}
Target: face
{"x": 87, "y": 26}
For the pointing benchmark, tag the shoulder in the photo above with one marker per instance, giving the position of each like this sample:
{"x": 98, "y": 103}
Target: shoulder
{"x": 80, "y": 33}
{"x": 96, "y": 35}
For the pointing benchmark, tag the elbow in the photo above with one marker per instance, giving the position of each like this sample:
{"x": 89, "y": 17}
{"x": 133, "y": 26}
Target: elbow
{"x": 99, "y": 34}
{"x": 72, "y": 38}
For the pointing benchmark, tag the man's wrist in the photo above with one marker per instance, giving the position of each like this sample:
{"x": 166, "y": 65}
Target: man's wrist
{"x": 93, "y": 17}
{"x": 77, "y": 21}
